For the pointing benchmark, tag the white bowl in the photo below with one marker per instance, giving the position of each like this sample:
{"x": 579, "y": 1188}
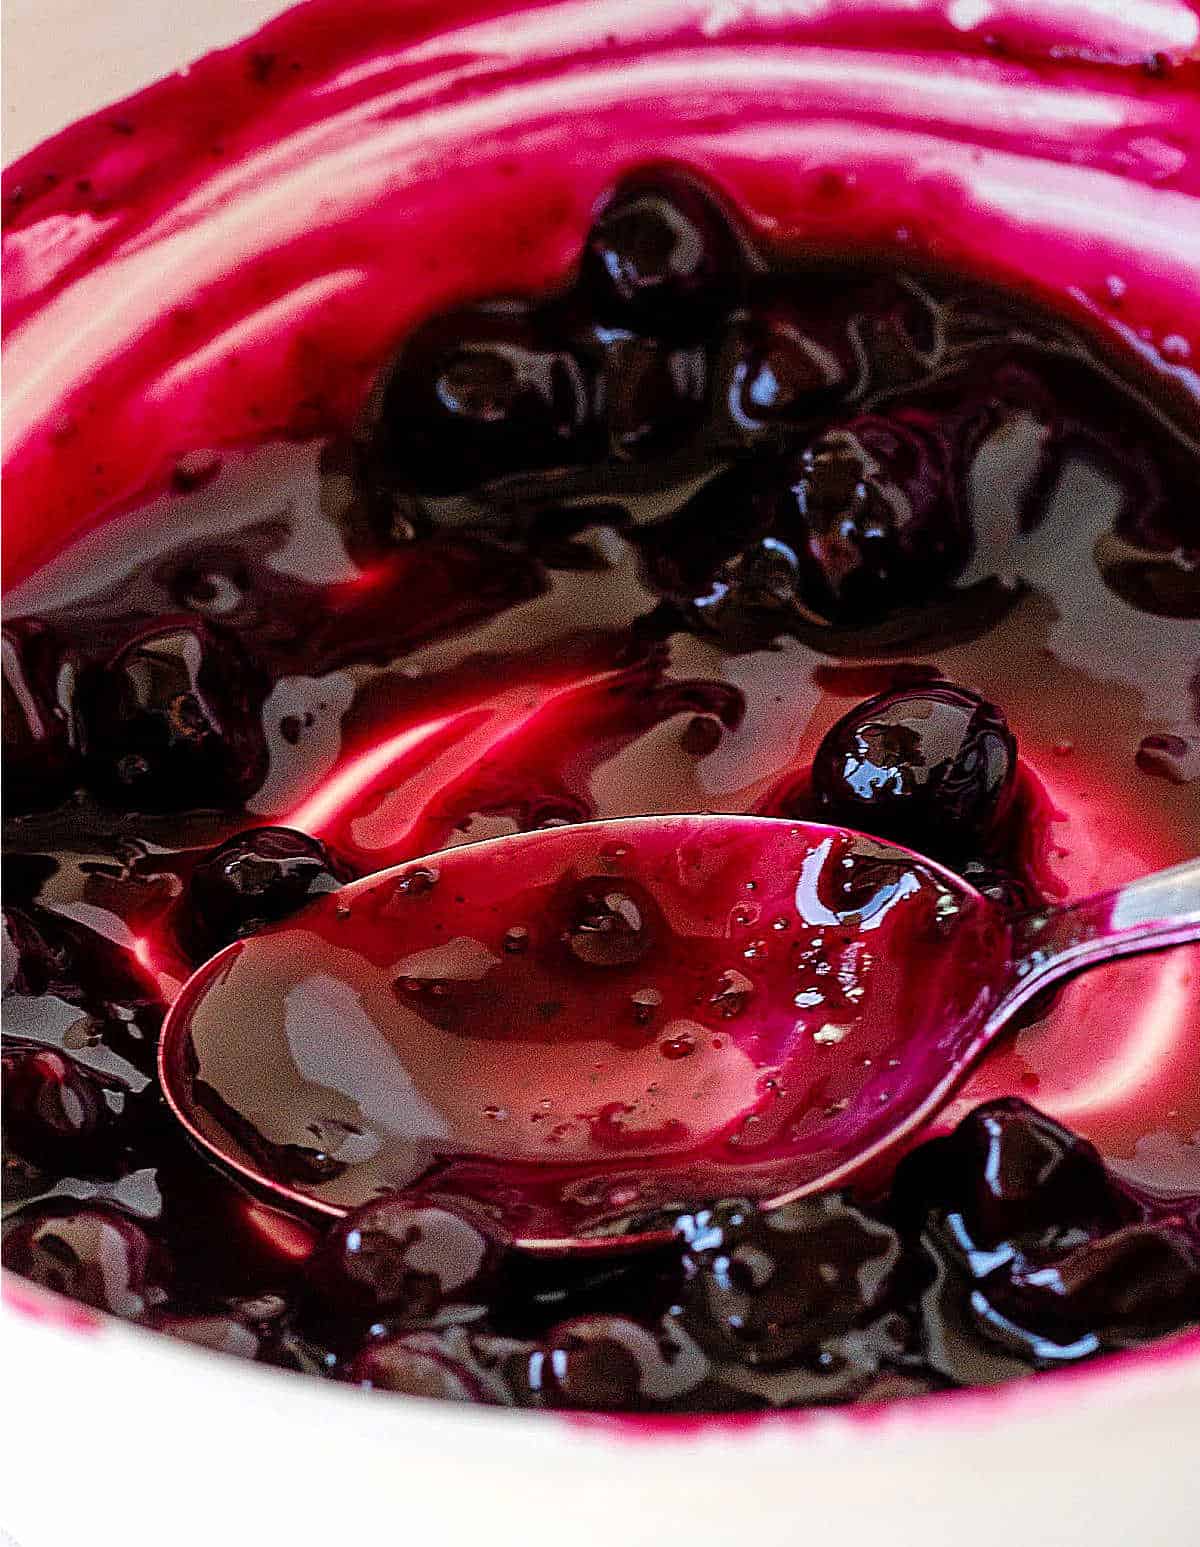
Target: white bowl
{"x": 114, "y": 1435}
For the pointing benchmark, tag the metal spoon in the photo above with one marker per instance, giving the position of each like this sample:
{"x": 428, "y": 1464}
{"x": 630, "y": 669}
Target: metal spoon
{"x": 586, "y": 1028}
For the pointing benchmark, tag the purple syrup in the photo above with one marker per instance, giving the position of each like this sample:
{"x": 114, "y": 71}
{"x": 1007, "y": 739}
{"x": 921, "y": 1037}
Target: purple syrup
{"x": 682, "y": 493}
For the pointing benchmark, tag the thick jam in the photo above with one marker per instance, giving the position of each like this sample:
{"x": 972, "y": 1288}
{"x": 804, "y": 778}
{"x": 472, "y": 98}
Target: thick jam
{"x": 702, "y": 525}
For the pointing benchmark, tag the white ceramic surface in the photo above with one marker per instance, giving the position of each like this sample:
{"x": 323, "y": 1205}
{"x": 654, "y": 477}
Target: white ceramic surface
{"x": 116, "y": 1436}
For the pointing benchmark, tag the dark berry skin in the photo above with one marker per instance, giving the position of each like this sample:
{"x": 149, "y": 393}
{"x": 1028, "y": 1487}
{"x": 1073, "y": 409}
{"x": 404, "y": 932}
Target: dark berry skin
{"x": 41, "y": 754}
{"x": 91, "y": 1252}
{"x": 253, "y": 879}
{"x": 860, "y": 526}
{"x": 406, "y": 1258}
{"x": 655, "y": 395}
{"x": 661, "y": 258}
{"x": 172, "y": 724}
{"x": 1013, "y": 1176}
{"x": 785, "y": 1287}
{"x": 930, "y": 767}
{"x": 478, "y": 396}
{"x": 418, "y": 1365}
{"x": 56, "y": 1111}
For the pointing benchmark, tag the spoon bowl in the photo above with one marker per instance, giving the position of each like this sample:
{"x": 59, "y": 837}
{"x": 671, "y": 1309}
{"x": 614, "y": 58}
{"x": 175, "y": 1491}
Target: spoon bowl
{"x": 584, "y": 1029}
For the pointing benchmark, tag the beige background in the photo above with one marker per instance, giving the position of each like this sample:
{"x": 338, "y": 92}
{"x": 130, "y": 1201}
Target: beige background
{"x": 64, "y": 58}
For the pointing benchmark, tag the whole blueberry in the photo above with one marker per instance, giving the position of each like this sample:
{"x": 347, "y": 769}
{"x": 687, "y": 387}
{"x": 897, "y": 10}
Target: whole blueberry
{"x": 419, "y": 1364}
{"x": 171, "y": 723}
{"x": 862, "y": 526}
{"x": 479, "y": 396}
{"x": 1012, "y": 1176}
{"x": 932, "y": 767}
{"x": 56, "y": 1112}
{"x": 256, "y": 878}
{"x": 787, "y": 1286}
{"x": 88, "y": 1251}
{"x": 406, "y": 1257}
{"x": 655, "y": 395}
{"x": 41, "y": 753}
{"x": 660, "y": 257}
{"x": 609, "y": 1363}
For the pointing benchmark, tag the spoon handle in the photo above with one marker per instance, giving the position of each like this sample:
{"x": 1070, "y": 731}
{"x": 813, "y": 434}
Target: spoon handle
{"x": 1145, "y": 915}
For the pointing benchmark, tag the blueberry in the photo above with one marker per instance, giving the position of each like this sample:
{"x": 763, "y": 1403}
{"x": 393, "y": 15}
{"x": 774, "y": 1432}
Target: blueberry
{"x": 476, "y": 397}
{"x": 1013, "y": 1177}
{"x": 860, "y": 528}
{"x": 932, "y": 767}
{"x": 655, "y": 396}
{"x": 407, "y": 1258}
{"x": 57, "y": 1113}
{"x": 41, "y": 755}
{"x": 605, "y": 1363}
{"x": 418, "y": 1365}
{"x": 609, "y": 923}
{"x": 803, "y": 1285}
{"x": 1124, "y": 1288}
{"x": 871, "y": 508}
{"x": 256, "y": 878}
{"x": 779, "y": 375}
{"x": 90, "y": 1252}
{"x": 171, "y": 723}
{"x": 661, "y": 257}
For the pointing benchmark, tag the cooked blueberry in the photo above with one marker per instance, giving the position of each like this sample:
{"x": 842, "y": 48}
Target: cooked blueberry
{"x": 932, "y": 767}
{"x": 172, "y": 722}
{"x": 608, "y": 923}
{"x": 1012, "y": 1175}
{"x": 89, "y": 1251}
{"x": 479, "y": 396}
{"x": 452, "y": 1366}
{"x": 55, "y": 1111}
{"x": 655, "y": 396}
{"x": 1124, "y": 1288}
{"x": 782, "y": 1287}
{"x": 607, "y": 1363}
{"x": 419, "y": 1365}
{"x": 41, "y": 759}
{"x": 255, "y": 878}
{"x": 406, "y": 1257}
{"x": 779, "y": 375}
{"x": 872, "y": 510}
{"x": 661, "y": 256}
{"x": 858, "y": 528}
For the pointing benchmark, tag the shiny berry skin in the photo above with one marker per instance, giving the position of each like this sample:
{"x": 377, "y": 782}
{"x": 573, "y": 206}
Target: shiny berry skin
{"x": 89, "y": 1251}
{"x": 860, "y": 527}
{"x": 609, "y": 924}
{"x": 41, "y": 754}
{"x": 171, "y": 723}
{"x": 1125, "y": 1288}
{"x": 779, "y": 376}
{"x": 1013, "y": 1176}
{"x": 255, "y": 878}
{"x": 655, "y": 396}
{"x": 661, "y": 257}
{"x": 477, "y": 397}
{"x": 786, "y": 1286}
{"x": 406, "y": 1258}
{"x": 422, "y": 1364}
{"x": 602, "y": 1363}
{"x": 56, "y": 1111}
{"x": 931, "y": 767}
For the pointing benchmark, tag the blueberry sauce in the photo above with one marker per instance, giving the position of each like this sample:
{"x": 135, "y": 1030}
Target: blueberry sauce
{"x": 714, "y": 522}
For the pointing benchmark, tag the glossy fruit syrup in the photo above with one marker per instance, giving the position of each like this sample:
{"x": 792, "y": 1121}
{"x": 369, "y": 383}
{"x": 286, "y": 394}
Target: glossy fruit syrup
{"x": 703, "y": 531}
